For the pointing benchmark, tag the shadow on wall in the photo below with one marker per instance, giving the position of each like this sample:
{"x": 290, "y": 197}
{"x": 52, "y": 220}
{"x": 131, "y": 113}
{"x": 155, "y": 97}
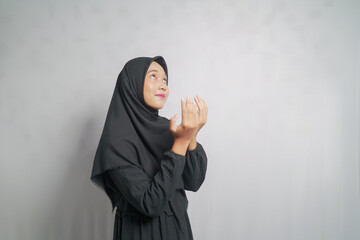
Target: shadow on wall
{"x": 81, "y": 210}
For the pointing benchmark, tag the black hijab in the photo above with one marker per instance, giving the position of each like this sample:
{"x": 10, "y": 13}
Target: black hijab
{"x": 133, "y": 133}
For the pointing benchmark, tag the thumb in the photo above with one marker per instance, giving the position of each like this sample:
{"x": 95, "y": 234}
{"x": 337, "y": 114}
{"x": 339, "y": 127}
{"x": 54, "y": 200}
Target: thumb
{"x": 173, "y": 122}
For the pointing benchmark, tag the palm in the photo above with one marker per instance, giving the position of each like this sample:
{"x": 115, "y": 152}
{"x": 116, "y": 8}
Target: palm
{"x": 194, "y": 117}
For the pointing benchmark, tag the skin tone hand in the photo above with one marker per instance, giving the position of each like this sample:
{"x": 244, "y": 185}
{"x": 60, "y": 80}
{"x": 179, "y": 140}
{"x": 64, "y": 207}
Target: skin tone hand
{"x": 189, "y": 124}
{"x": 187, "y": 130}
{"x": 194, "y": 117}
{"x": 202, "y": 113}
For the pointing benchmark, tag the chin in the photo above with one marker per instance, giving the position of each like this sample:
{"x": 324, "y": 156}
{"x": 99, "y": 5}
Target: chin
{"x": 157, "y": 107}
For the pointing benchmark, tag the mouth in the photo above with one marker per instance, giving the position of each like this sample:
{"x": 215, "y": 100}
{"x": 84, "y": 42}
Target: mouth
{"x": 160, "y": 95}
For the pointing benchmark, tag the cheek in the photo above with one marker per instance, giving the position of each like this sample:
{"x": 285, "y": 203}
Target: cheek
{"x": 152, "y": 86}
{"x": 148, "y": 88}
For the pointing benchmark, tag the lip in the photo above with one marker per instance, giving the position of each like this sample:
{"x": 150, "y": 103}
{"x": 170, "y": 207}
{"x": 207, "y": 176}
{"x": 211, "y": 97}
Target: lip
{"x": 160, "y": 95}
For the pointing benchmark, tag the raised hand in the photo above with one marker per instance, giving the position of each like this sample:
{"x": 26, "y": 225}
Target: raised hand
{"x": 188, "y": 128}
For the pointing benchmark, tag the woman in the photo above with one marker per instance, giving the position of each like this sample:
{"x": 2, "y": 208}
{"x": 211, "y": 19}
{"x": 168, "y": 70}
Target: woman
{"x": 145, "y": 162}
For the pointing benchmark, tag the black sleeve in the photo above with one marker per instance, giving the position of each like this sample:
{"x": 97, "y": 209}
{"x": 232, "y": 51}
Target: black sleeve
{"x": 195, "y": 168}
{"x": 149, "y": 196}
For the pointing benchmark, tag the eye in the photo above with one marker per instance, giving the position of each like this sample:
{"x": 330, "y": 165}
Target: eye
{"x": 152, "y": 76}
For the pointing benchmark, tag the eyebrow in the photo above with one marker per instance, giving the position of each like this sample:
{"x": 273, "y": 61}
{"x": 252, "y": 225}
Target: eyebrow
{"x": 153, "y": 70}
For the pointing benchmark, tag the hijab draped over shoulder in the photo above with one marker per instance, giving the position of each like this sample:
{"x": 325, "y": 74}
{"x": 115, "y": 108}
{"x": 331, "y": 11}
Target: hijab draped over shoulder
{"x": 133, "y": 133}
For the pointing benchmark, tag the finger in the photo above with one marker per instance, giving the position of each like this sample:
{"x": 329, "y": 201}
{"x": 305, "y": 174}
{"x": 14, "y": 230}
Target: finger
{"x": 199, "y": 103}
{"x": 196, "y": 107}
{"x": 205, "y": 104}
{"x": 206, "y": 107}
{"x": 206, "y": 110}
{"x": 183, "y": 110}
{"x": 194, "y": 114}
{"x": 173, "y": 122}
{"x": 187, "y": 111}
{"x": 191, "y": 108}
{"x": 188, "y": 100}
{"x": 202, "y": 101}
{"x": 193, "y": 104}
{"x": 203, "y": 110}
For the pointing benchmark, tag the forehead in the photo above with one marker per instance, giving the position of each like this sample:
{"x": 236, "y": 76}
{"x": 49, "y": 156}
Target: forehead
{"x": 155, "y": 66}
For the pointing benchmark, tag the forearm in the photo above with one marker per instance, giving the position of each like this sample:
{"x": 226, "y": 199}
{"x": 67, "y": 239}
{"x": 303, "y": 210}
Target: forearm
{"x": 149, "y": 196}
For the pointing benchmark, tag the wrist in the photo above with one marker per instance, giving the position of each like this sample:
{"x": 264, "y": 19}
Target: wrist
{"x": 192, "y": 144}
{"x": 180, "y": 146}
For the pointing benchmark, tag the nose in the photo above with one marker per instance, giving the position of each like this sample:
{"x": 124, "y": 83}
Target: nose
{"x": 163, "y": 86}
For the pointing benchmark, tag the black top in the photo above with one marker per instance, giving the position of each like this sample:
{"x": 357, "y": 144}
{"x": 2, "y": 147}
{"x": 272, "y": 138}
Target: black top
{"x": 134, "y": 163}
{"x": 143, "y": 209}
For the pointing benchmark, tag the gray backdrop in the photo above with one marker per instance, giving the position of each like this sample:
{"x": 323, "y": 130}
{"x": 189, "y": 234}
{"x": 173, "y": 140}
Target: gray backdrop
{"x": 281, "y": 79}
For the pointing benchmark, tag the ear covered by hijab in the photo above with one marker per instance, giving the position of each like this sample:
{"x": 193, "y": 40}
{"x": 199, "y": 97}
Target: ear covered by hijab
{"x": 133, "y": 132}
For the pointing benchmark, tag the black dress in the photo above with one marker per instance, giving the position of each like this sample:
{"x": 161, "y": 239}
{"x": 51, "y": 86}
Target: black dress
{"x": 143, "y": 211}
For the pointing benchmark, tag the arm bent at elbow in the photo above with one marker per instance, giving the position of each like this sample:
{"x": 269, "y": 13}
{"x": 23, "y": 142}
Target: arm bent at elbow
{"x": 147, "y": 195}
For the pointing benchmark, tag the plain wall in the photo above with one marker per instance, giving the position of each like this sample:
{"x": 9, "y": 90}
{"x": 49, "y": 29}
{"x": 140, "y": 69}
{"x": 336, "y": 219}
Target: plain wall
{"x": 281, "y": 80}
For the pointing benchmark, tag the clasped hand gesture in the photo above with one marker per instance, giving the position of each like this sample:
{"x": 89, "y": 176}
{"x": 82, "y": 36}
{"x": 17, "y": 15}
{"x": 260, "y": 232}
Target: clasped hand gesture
{"x": 194, "y": 117}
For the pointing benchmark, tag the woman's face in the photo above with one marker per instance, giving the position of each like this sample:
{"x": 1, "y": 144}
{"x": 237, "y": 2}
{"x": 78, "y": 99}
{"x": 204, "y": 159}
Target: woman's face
{"x": 156, "y": 90}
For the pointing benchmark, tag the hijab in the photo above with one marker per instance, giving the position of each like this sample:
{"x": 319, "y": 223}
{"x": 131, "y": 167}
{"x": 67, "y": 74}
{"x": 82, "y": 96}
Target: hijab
{"x": 133, "y": 132}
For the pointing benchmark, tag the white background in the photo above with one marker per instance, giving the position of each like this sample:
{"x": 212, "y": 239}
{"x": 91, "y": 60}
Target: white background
{"x": 281, "y": 79}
